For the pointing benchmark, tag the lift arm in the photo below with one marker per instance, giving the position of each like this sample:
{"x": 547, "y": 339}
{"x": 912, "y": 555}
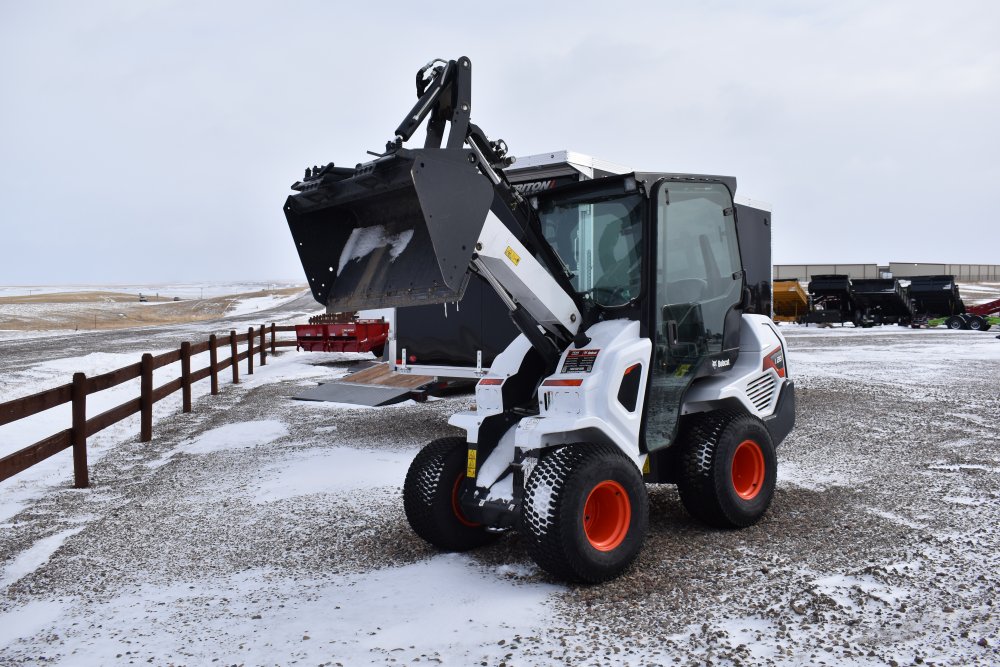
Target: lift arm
{"x": 408, "y": 227}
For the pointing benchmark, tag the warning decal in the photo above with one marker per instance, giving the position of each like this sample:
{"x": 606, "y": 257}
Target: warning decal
{"x": 580, "y": 361}
{"x": 470, "y": 468}
{"x": 514, "y": 258}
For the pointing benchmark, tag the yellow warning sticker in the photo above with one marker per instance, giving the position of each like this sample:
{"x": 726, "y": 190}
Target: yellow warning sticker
{"x": 470, "y": 468}
{"x": 645, "y": 466}
{"x": 514, "y": 258}
{"x": 682, "y": 370}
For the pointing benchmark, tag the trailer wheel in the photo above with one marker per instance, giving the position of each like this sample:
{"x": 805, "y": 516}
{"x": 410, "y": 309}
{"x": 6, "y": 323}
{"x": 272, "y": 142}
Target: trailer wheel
{"x": 430, "y": 497}
{"x": 585, "y": 512}
{"x": 728, "y": 469}
{"x": 955, "y": 322}
{"x": 978, "y": 323}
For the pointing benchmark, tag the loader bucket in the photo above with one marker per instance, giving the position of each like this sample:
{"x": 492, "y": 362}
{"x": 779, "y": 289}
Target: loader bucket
{"x": 399, "y": 231}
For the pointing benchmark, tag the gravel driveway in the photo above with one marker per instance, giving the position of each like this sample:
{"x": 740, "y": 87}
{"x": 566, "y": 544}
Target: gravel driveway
{"x": 262, "y": 530}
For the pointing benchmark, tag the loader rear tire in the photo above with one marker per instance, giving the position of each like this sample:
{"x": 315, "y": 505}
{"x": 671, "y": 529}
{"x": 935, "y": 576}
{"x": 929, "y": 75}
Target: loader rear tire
{"x": 585, "y": 512}
{"x": 430, "y": 497}
{"x": 728, "y": 468}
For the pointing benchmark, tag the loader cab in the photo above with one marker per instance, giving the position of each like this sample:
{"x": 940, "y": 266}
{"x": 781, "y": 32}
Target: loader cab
{"x": 662, "y": 249}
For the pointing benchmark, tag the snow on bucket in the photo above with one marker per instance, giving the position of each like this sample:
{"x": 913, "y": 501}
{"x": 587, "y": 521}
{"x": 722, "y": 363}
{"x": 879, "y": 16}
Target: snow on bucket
{"x": 398, "y": 231}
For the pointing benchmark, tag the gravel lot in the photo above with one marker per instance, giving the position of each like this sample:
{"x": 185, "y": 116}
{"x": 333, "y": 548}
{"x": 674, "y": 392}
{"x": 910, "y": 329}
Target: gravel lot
{"x": 262, "y": 530}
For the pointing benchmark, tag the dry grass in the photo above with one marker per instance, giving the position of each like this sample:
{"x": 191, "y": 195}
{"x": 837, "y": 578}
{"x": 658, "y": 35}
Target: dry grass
{"x": 112, "y": 310}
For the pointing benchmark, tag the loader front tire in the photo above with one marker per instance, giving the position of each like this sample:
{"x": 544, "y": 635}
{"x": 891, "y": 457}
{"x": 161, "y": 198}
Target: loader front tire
{"x": 585, "y": 512}
{"x": 430, "y": 497}
{"x": 728, "y": 468}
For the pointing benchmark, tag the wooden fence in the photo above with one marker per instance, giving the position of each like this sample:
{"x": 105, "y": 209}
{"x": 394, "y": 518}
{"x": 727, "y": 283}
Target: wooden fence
{"x": 76, "y": 392}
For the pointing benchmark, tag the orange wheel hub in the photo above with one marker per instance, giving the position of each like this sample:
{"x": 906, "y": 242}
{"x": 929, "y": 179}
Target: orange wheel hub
{"x": 607, "y": 514}
{"x": 748, "y": 470}
{"x": 456, "y": 508}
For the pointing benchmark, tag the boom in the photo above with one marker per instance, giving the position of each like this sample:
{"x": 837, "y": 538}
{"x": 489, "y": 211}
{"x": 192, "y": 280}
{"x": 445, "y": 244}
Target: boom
{"x": 366, "y": 236}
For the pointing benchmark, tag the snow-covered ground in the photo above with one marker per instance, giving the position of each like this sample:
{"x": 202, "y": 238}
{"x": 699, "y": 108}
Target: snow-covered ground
{"x": 263, "y": 530}
{"x": 205, "y": 290}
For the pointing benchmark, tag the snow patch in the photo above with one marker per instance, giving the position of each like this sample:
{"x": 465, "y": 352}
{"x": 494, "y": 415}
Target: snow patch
{"x": 840, "y": 587}
{"x": 28, "y": 620}
{"x": 366, "y": 240}
{"x": 964, "y": 501}
{"x": 432, "y": 611}
{"x": 895, "y": 518}
{"x": 239, "y": 307}
{"x": 809, "y": 478}
{"x": 35, "y": 557}
{"x": 335, "y": 470}
{"x": 244, "y": 435}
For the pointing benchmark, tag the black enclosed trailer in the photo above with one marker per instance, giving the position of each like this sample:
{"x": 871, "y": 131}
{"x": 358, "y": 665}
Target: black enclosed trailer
{"x": 461, "y": 339}
{"x": 831, "y": 301}
{"x": 882, "y": 301}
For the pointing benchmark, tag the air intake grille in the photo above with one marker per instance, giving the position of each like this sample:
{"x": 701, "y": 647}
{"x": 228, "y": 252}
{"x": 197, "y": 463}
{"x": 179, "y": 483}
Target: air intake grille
{"x": 761, "y": 391}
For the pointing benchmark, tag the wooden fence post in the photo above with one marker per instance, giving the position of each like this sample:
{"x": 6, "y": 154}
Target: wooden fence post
{"x": 213, "y": 362}
{"x": 232, "y": 350}
{"x": 250, "y": 351}
{"x": 272, "y": 338}
{"x": 146, "y": 399}
{"x": 263, "y": 348}
{"x": 186, "y": 376}
{"x": 81, "y": 478}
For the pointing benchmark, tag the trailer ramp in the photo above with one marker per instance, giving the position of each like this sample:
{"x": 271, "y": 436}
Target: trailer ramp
{"x": 374, "y": 386}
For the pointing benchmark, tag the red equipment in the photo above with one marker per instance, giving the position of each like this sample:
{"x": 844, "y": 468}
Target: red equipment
{"x": 339, "y": 333}
{"x": 990, "y": 308}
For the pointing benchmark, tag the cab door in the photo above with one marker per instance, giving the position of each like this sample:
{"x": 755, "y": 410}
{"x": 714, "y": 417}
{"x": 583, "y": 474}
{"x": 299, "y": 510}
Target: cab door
{"x": 698, "y": 280}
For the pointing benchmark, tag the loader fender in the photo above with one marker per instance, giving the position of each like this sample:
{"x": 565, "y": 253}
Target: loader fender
{"x": 596, "y": 393}
{"x": 756, "y": 380}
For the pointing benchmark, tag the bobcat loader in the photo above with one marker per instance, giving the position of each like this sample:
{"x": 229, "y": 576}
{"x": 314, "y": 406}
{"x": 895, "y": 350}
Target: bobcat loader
{"x": 636, "y": 361}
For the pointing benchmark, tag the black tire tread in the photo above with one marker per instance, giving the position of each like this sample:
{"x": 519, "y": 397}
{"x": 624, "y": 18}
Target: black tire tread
{"x": 700, "y": 495}
{"x": 545, "y": 535}
{"x": 423, "y": 497}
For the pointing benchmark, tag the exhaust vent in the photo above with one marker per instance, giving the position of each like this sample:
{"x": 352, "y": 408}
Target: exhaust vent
{"x": 761, "y": 391}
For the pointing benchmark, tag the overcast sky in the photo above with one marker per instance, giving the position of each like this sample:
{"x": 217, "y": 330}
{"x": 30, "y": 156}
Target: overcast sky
{"x": 156, "y": 140}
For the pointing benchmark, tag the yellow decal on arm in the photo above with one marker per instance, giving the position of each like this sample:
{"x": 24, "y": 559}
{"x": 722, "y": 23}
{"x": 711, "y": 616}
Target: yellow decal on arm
{"x": 470, "y": 468}
{"x": 512, "y": 256}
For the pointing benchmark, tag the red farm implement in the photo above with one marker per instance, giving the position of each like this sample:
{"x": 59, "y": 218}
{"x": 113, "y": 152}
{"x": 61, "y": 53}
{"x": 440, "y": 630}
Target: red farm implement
{"x": 342, "y": 333}
{"x": 983, "y": 309}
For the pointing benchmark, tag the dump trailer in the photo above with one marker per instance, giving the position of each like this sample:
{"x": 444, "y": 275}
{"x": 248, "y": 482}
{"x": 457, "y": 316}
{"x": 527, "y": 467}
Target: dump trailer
{"x": 635, "y": 363}
{"x": 831, "y": 301}
{"x": 881, "y": 301}
{"x": 938, "y": 296}
{"x": 790, "y": 301}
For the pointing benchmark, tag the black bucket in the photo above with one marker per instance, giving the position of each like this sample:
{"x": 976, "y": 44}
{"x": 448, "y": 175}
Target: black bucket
{"x": 400, "y": 231}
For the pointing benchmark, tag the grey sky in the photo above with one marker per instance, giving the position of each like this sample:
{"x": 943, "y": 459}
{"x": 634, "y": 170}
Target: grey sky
{"x": 150, "y": 141}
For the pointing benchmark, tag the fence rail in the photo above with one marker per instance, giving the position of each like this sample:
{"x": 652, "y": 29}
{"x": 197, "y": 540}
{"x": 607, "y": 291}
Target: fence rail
{"x": 77, "y": 391}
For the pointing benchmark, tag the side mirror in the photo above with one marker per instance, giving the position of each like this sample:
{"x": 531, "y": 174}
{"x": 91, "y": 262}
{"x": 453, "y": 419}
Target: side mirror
{"x": 746, "y": 299}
